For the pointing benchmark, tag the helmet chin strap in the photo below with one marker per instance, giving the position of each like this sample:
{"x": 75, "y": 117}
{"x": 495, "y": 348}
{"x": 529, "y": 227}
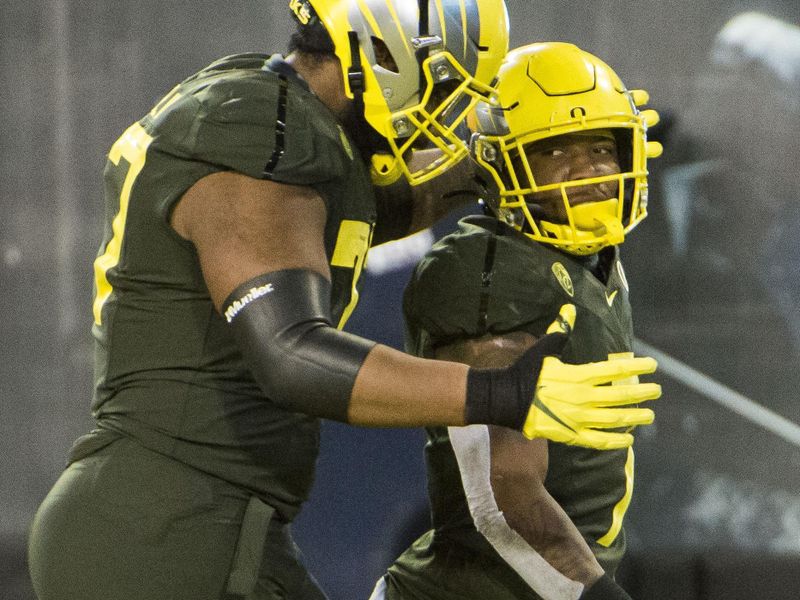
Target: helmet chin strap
{"x": 365, "y": 137}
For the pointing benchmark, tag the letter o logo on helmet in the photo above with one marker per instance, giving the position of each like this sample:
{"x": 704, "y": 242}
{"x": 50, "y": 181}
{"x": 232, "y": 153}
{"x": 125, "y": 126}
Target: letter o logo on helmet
{"x": 418, "y": 67}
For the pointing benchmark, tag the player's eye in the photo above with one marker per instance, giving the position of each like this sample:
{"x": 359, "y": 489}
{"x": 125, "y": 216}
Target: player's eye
{"x": 553, "y": 153}
{"x": 606, "y": 149}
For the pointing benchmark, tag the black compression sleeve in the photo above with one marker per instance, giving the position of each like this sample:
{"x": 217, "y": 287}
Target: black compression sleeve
{"x": 282, "y": 324}
{"x": 605, "y": 588}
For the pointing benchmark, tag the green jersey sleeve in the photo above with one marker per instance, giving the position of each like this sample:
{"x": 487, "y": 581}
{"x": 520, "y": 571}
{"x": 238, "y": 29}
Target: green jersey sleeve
{"x": 240, "y": 115}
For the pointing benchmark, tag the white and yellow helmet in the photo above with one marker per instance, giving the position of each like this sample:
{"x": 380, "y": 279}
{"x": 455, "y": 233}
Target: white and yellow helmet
{"x": 447, "y": 53}
{"x": 550, "y": 89}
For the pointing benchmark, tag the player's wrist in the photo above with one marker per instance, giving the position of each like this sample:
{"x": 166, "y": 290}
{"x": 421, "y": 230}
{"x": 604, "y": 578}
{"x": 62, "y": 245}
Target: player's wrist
{"x": 605, "y": 588}
{"x": 493, "y": 398}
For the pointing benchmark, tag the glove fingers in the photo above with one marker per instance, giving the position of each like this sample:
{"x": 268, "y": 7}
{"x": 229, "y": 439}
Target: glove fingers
{"x": 565, "y": 395}
{"x": 602, "y": 440}
{"x": 619, "y": 395}
{"x": 610, "y": 418}
{"x": 557, "y": 334}
{"x": 598, "y": 372}
{"x": 565, "y": 320}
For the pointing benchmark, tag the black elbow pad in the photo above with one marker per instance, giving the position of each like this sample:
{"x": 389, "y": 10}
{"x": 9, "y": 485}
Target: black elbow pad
{"x": 282, "y": 324}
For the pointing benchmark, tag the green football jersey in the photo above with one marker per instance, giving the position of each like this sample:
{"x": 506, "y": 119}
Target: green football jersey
{"x": 167, "y": 370}
{"x": 488, "y": 278}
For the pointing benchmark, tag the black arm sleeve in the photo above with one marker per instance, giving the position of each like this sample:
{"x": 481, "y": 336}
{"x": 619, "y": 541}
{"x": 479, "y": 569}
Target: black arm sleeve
{"x": 282, "y": 324}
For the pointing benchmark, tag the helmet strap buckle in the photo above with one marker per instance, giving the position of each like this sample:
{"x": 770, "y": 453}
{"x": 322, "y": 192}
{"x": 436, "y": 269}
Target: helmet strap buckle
{"x": 355, "y": 74}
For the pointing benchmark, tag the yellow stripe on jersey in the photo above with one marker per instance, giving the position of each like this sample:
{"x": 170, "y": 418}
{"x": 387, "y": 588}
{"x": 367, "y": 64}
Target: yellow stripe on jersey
{"x": 350, "y": 252}
{"x": 165, "y": 102}
{"x": 622, "y": 506}
{"x": 132, "y": 146}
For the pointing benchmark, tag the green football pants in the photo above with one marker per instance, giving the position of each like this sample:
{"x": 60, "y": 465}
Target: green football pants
{"x": 126, "y": 523}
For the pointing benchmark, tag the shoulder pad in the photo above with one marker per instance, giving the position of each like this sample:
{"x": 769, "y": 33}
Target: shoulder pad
{"x": 256, "y": 122}
{"x": 483, "y": 278}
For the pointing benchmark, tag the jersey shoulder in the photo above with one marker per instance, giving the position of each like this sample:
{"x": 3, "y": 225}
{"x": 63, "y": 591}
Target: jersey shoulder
{"x": 483, "y": 278}
{"x": 250, "y": 113}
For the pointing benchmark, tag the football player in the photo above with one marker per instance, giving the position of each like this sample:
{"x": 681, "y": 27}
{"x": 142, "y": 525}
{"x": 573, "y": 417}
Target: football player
{"x": 515, "y": 519}
{"x": 240, "y": 211}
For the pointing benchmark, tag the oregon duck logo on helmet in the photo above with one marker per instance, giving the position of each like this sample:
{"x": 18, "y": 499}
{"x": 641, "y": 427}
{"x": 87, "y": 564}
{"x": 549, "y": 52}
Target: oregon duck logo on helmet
{"x": 551, "y": 89}
{"x": 418, "y": 66}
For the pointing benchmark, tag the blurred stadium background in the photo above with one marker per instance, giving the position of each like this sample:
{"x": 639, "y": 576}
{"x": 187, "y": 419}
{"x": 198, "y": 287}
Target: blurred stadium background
{"x": 714, "y": 273}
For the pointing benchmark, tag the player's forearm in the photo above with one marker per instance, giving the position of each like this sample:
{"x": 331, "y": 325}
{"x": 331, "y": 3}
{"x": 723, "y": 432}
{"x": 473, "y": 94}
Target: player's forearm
{"x": 549, "y": 531}
{"x": 395, "y": 389}
{"x": 518, "y": 471}
{"x": 398, "y": 390}
{"x": 281, "y": 323}
{"x": 305, "y": 365}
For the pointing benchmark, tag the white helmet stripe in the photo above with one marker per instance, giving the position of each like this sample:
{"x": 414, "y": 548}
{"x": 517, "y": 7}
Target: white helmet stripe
{"x": 398, "y": 24}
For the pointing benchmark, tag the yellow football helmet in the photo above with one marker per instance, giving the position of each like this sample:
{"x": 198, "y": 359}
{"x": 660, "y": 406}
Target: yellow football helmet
{"x": 444, "y": 56}
{"x": 551, "y": 89}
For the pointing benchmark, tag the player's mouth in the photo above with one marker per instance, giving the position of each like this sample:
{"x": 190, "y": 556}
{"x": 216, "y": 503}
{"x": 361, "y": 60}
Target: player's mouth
{"x": 590, "y": 193}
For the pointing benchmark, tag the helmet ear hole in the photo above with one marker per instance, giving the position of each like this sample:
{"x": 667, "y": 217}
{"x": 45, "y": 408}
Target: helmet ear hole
{"x": 383, "y": 56}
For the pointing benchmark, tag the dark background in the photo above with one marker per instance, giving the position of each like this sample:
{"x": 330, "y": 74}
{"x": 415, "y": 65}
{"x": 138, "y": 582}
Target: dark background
{"x": 713, "y": 271}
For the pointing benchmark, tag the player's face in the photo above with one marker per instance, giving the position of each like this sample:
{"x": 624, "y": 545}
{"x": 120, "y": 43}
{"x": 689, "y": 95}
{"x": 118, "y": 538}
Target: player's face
{"x": 572, "y": 157}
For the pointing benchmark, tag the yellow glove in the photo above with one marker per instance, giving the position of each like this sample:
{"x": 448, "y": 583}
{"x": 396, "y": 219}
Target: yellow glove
{"x": 572, "y": 403}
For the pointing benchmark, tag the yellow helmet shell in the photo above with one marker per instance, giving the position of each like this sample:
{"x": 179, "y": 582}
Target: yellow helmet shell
{"x": 550, "y": 89}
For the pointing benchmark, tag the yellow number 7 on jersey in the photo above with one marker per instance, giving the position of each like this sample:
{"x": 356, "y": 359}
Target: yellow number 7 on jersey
{"x": 131, "y": 146}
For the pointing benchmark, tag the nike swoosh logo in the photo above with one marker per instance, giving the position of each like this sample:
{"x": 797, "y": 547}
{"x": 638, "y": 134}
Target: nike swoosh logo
{"x": 537, "y": 402}
{"x": 610, "y": 298}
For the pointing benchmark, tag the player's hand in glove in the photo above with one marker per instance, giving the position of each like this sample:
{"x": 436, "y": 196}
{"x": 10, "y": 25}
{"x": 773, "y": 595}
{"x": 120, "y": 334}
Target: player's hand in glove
{"x": 565, "y": 403}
